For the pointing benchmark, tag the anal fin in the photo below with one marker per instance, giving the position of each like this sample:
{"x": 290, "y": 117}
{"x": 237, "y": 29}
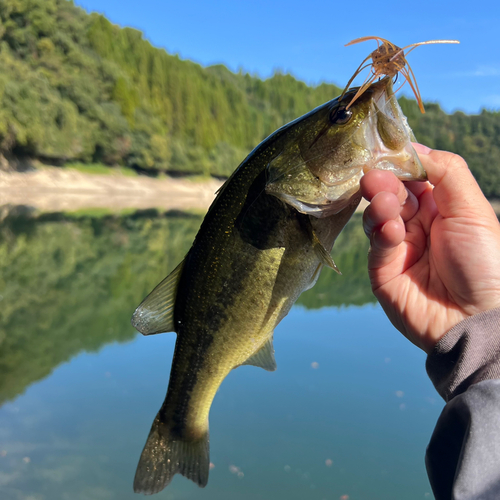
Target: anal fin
{"x": 264, "y": 357}
{"x": 155, "y": 314}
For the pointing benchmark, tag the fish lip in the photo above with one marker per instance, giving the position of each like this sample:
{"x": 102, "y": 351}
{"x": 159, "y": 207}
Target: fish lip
{"x": 418, "y": 173}
{"x": 404, "y": 162}
{"x": 374, "y": 91}
{"x": 378, "y": 88}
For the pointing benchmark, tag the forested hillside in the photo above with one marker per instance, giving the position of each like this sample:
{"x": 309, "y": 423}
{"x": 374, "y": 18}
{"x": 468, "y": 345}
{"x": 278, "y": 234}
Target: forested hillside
{"x": 74, "y": 87}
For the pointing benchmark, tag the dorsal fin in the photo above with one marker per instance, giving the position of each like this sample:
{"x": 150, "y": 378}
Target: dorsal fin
{"x": 156, "y": 312}
{"x": 264, "y": 357}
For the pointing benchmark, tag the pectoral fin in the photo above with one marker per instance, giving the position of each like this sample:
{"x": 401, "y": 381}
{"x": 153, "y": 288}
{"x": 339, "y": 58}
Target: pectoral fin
{"x": 323, "y": 255}
{"x": 156, "y": 312}
{"x": 321, "y": 252}
{"x": 264, "y": 357}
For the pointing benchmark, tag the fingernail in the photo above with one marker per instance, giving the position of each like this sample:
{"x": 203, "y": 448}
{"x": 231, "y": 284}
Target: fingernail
{"x": 421, "y": 149}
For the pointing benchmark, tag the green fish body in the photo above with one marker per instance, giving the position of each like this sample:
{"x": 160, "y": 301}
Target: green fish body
{"x": 262, "y": 243}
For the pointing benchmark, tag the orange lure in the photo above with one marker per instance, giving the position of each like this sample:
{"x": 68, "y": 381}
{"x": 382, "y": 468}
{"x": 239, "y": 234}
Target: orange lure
{"x": 388, "y": 59}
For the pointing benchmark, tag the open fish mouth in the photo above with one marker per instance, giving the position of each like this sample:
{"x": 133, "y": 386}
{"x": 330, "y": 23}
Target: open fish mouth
{"x": 320, "y": 175}
{"x": 389, "y": 137}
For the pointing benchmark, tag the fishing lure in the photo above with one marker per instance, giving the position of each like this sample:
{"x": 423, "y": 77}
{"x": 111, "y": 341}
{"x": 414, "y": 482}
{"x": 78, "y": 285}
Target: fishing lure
{"x": 388, "y": 59}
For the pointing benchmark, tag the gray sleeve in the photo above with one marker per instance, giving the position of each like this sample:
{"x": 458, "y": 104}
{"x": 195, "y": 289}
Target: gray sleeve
{"x": 463, "y": 457}
{"x": 467, "y": 354}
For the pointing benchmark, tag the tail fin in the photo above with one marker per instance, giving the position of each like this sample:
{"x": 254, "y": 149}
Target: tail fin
{"x": 165, "y": 455}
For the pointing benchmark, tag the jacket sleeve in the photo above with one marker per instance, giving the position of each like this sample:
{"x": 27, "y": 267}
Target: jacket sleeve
{"x": 463, "y": 456}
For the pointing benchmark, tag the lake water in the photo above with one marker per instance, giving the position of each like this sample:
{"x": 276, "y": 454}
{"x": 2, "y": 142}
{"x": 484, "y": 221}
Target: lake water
{"x": 347, "y": 415}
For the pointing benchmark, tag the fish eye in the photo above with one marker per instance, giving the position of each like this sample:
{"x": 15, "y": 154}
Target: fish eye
{"x": 340, "y": 116}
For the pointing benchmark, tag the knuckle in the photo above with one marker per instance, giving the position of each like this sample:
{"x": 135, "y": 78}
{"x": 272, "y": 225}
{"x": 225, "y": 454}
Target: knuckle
{"x": 456, "y": 162}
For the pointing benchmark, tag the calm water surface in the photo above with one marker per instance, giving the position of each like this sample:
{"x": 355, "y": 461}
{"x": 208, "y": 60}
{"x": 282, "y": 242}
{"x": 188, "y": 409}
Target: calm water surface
{"x": 347, "y": 415}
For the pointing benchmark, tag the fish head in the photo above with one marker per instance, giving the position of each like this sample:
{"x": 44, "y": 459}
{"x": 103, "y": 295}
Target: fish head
{"x": 325, "y": 153}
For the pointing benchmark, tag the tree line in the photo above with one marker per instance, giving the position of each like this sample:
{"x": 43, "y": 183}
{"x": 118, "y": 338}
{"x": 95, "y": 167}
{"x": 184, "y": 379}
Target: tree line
{"x": 75, "y": 87}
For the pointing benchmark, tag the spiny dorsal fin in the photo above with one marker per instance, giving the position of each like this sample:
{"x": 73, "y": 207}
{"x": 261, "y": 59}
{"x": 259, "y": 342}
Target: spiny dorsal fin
{"x": 264, "y": 357}
{"x": 156, "y": 312}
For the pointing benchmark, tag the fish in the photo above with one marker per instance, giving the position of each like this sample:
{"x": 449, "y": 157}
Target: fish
{"x": 265, "y": 239}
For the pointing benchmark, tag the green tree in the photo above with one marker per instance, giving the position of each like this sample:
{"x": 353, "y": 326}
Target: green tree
{"x": 75, "y": 87}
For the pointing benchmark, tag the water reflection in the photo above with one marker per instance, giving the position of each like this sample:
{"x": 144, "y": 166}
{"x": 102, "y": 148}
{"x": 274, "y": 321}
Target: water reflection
{"x": 70, "y": 283}
{"x": 347, "y": 414}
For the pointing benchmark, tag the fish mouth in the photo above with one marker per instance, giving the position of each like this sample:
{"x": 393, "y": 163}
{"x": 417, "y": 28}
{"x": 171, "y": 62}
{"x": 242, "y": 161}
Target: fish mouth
{"x": 381, "y": 139}
{"x": 389, "y": 137}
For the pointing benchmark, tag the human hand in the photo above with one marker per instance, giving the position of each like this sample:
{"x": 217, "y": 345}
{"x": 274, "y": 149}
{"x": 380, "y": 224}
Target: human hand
{"x": 435, "y": 247}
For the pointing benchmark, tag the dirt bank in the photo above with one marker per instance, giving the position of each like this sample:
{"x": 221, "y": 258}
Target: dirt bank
{"x": 51, "y": 189}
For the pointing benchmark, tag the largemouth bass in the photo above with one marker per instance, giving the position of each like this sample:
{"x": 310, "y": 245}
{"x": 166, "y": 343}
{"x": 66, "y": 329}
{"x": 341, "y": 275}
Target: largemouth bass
{"x": 263, "y": 241}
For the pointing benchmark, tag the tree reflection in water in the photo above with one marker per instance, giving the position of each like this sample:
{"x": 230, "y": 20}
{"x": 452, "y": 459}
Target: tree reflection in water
{"x": 69, "y": 283}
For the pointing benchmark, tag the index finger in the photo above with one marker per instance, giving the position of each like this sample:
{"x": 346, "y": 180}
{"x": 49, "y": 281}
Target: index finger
{"x": 456, "y": 191}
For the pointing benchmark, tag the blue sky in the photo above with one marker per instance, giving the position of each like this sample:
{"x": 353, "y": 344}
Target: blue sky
{"x": 306, "y": 38}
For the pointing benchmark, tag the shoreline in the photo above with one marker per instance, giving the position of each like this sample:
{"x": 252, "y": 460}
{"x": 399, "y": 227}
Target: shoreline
{"x": 53, "y": 189}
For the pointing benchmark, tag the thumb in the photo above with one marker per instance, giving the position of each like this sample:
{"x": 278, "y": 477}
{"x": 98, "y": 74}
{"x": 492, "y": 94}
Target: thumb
{"x": 456, "y": 192}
